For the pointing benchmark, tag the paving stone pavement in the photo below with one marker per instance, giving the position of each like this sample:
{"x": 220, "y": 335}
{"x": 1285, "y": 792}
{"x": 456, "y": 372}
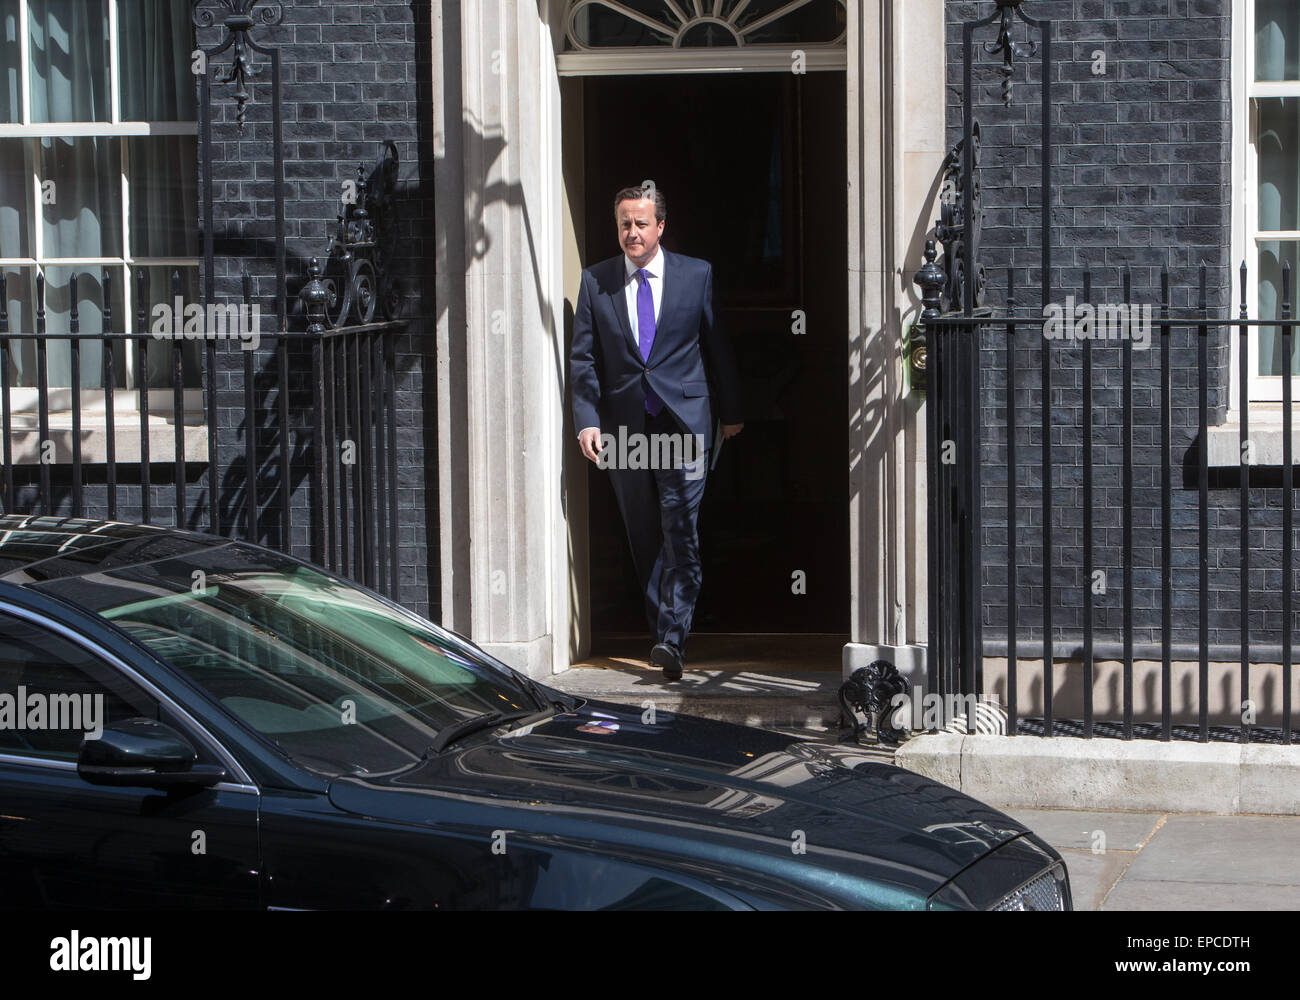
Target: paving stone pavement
{"x": 1173, "y": 861}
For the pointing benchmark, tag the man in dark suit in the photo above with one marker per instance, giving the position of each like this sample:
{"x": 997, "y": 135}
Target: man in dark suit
{"x": 648, "y": 362}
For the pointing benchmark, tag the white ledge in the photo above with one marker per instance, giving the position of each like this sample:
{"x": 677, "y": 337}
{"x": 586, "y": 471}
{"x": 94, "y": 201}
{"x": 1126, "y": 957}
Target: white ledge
{"x": 1224, "y": 443}
{"x": 25, "y": 441}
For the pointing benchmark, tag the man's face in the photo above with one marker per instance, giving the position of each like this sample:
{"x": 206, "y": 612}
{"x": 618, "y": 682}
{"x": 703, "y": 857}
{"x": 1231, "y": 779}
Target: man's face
{"x": 638, "y": 232}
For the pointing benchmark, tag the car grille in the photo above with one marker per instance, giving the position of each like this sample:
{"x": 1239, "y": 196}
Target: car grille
{"x": 1043, "y": 893}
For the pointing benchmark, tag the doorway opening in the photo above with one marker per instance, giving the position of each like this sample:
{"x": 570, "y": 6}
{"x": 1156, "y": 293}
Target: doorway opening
{"x": 754, "y": 167}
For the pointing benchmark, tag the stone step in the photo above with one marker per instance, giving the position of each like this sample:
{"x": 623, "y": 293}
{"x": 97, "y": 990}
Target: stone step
{"x": 799, "y": 702}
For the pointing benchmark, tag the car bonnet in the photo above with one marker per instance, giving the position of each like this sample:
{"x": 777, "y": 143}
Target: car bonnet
{"x": 692, "y": 786}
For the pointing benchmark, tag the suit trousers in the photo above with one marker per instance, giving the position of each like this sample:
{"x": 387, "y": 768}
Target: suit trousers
{"x": 660, "y": 507}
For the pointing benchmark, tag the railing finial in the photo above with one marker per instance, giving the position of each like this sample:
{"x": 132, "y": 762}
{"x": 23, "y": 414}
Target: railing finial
{"x": 931, "y": 279}
{"x": 239, "y": 18}
{"x": 314, "y": 296}
{"x": 1007, "y": 47}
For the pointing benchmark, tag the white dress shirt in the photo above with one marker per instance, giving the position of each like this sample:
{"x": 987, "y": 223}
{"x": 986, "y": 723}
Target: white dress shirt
{"x": 655, "y": 274}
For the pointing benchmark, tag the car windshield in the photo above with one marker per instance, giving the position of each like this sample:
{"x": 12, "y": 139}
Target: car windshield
{"x": 340, "y": 681}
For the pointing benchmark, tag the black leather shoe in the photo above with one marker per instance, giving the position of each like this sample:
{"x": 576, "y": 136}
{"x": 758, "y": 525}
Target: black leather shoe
{"x": 668, "y": 656}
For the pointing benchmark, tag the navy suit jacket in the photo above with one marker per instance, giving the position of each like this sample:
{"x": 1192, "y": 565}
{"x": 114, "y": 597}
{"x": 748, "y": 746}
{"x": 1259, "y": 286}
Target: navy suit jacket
{"x": 691, "y": 357}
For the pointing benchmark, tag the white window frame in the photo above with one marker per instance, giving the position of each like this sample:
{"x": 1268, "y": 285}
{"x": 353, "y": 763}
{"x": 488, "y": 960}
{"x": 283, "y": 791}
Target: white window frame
{"x": 24, "y": 401}
{"x": 1246, "y": 237}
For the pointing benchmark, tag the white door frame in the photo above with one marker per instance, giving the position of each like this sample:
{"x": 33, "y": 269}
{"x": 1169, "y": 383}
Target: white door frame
{"x": 501, "y": 282}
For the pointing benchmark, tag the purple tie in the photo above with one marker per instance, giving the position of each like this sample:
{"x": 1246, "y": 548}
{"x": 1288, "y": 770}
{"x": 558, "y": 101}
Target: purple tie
{"x": 645, "y": 335}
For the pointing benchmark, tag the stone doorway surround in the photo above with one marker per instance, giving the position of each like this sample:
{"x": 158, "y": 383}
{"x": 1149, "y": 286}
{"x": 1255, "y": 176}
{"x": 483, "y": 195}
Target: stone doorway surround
{"x": 512, "y": 525}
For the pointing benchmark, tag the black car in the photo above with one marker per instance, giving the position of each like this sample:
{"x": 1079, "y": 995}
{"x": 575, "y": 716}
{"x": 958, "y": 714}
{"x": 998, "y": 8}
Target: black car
{"x": 188, "y": 721}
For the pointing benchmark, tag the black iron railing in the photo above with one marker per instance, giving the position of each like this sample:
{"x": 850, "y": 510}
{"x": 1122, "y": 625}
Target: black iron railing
{"x": 318, "y": 452}
{"x": 960, "y": 556}
{"x": 1070, "y": 620}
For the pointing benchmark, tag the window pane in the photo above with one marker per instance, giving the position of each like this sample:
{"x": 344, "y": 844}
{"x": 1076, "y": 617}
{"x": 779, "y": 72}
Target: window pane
{"x": 10, "y": 63}
{"x": 157, "y": 40}
{"x": 818, "y": 21}
{"x": 20, "y": 297}
{"x": 16, "y": 197}
{"x": 1271, "y": 256}
{"x": 20, "y": 292}
{"x": 158, "y": 290}
{"x": 1279, "y": 172}
{"x": 58, "y": 320}
{"x": 69, "y": 60}
{"x": 117, "y": 320}
{"x": 600, "y": 26}
{"x": 92, "y": 295}
{"x": 83, "y": 219}
{"x": 164, "y": 207}
{"x": 283, "y": 646}
{"x": 54, "y": 672}
{"x": 1277, "y": 32}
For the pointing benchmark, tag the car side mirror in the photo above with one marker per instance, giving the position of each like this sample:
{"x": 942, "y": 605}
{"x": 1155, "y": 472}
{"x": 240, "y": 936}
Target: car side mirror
{"x": 144, "y": 753}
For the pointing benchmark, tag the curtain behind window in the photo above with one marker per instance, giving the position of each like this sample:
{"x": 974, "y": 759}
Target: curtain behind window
{"x": 69, "y": 82}
{"x": 1277, "y": 40}
{"x": 1277, "y": 142}
{"x": 69, "y": 60}
{"x": 10, "y": 66}
{"x": 156, "y": 42}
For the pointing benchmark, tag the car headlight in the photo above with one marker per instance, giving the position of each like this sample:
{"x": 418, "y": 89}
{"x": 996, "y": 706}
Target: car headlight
{"x": 1045, "y": 892}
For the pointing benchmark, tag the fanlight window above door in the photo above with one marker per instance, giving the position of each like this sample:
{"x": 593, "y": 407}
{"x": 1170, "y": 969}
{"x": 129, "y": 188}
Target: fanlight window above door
{"x": 593, "y": 25}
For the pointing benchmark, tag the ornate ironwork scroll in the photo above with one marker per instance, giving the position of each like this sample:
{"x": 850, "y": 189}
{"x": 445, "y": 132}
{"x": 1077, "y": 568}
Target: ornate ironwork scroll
{"x": 354, "y": 285}
{"x": 871, "y": 692}
{"x": 950, "y": 229}
{"x": 1008, "y": 9}
{"x": 240, "y": 17}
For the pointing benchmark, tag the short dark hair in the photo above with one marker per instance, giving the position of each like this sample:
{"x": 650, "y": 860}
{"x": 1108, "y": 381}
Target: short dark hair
{"x": 644, "y": 191}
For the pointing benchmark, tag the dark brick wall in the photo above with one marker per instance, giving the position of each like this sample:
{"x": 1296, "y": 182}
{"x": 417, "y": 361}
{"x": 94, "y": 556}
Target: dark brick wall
{"x": 353, "y": 75}
{"x": 1141, "y": 181}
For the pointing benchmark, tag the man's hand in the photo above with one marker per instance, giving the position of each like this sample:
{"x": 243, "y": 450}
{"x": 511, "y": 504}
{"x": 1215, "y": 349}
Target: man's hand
{"x": 590, "y": 441}
{"x": 731, "y": 430}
